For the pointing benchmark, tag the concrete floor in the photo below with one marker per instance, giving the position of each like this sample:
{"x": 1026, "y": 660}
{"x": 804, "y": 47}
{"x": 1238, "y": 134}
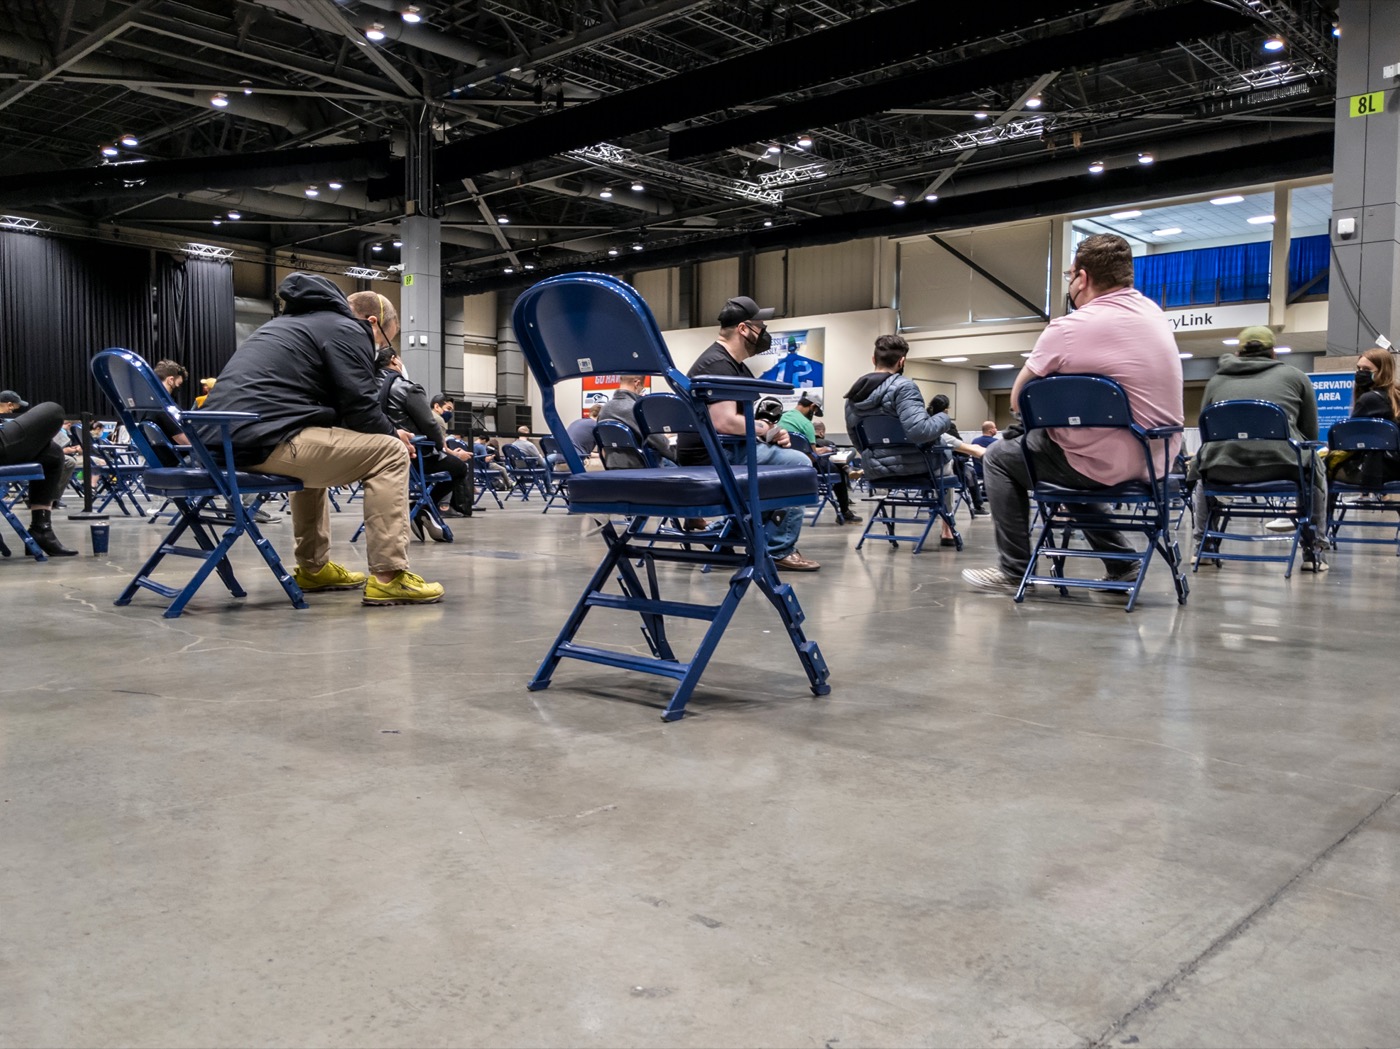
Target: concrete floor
{"x": 1047, "y": 824}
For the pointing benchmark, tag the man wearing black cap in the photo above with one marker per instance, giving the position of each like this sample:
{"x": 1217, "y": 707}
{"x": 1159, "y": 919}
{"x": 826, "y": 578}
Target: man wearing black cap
{"x": 743, "y": 333}
{"x": 28, "y": 438}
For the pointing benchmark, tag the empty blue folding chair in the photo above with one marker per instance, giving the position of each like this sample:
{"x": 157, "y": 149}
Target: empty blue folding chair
{"x": 207, "y": 491}
{"x": 1140, "y": 507}
{"x": 18, "y": 474}
{"x": 1374, "y": 441}
{"x": 916, "y": 500}
{"x": 1229, "y": 505}
{"x": 586, "y": 324}
{"x": 822, "y": 464}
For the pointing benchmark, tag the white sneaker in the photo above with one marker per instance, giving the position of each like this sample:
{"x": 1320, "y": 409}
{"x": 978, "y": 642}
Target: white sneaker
{"x": 992, "y": 580}
{"x": 1279, "y": 524}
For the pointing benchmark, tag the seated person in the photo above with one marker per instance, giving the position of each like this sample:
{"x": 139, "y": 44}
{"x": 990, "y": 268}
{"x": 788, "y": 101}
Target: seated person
{"x": 963, "y": 464}
{"x": 622, "y": 408}
{"x": 484, "y": 459}
{"x": 886, "y": 391}
{"x": 27, "y": 436}
{"x": 1254, "y": 373}
{"x": 580, "y": 434}
{"x": 805, "y": 418}
{"x": 1377, "y": 396}
{"x": 527, "y": 447}
{"x": 443, "y": 408}
{"x": 985, "y": 440}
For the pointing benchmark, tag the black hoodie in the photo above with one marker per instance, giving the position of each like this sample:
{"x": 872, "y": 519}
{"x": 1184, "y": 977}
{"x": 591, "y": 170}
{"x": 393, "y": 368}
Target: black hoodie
{"x": 312, "y": 366}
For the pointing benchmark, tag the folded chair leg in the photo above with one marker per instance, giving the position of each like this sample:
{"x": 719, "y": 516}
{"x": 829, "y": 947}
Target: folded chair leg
{"x": 784, "y": 599}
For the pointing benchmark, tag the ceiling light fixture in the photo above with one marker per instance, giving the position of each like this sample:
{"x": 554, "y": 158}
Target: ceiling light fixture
{"x": 1186, "y": 356}
{"x": 804, "y": 141}
{"x": 110, "y": 151}
{"x": 1230, "y": 342}
{"x": 1096, "y": 168}
{"x": 234, "y": 216}
{"x": 398, "y": 243}
{"x": 219, "y": 101}
{"x": 1025, "y": 355}
{"x": 411, "y": 14}
{"x": 953, "y": 360}
{"x": 1123, "y": 216}
{"x": 529, "y": 265}
{"x": 335, "y": 185}
{"x": 612, "y": 251}
{"x": 771, "y": 150}
{"x": 510, "y": 269}
{"x": 1145, "y": 158}
{"x": 605, "y": 193}
{"x": 1034, "y": 102}
{"x": 767, "y": 223}
{"x": 1274, "y": 43}
{"x": 1283, "y": 349}
{"x": 376, "y": 247}
{"x": 637, "y": 187}
{"x": 503, "y": 220}
{"x": 900, "y": 201}
{"x": 981, "y": 114}
{"x": 247, "y": 86}
{"x": 375, "y": 32}
{"x": 218, "y": 222}
{"x": 129, "y": 141}
{"x": 1260, "y": 220}
{"x": 930, "y": 197}
{"x": 312, "y": 191}
{"x": 999, "y": 367}
{"x": 1336, "y": 29}
{"x": 1170, "y": 231}
{"x": 637, "y": 246}
{"x": 1233, "y": 198}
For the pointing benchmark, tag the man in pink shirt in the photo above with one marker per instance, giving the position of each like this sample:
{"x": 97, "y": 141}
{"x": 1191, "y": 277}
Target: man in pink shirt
{"x": 1113, "y": 331}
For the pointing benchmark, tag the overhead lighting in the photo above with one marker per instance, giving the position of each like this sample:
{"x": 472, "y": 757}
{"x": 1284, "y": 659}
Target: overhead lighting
{"x": 981, "y": 114}
{"x": 767, "y": 222}
{"x": 1096, "y": 168}
{"x": 1260, "y": 220}
{"x": 375, "y": 32}
{"x": 1274, "y": 43}
{"x": 1034, "y": 102}
{"x": 1186, "y": 356}
{"x": 1230, "y": 342}
{"x": 1170, "y": 231}
{"x": 335, "y": 185}
{"x": 1124, "y": 215}
{"x": 1025, "y": 355}
{"x": 247, "y": 86}
{"x": 900, "y": 201}
{"x": 953, "y": 360}
{"x": 637, "y": 246}
{"x": 999, "y": 367}
{"x": 1336, "y": 29}
{"x": 771, "y": 150}
{"x": 376, "y": 247}
{"x": 529, "y": 265}
{"x": 1233, "y": 198}
{"x": 219, "y": 101}
{"x": 637, "y": 187}
{"x": 411, "y": 15}
{"x": 804, "y": 141}
{"x": 612, "y": 251}
{"x": 605, "y": 193}
{"x": 218, "y": 222}
{"x": 503, "y": 220}
{"x": 129, "y": 141}
{"x": 1283, "y": 349}
{"x": 312, "y": 191}
{"x": 1145, "y": 158}
{"x": 510, "y": 269}
{"x": 515, "y": 69}
{"x": 398, "y": 243}
{"x": 110, "y": 151}
{"x": 234, "y": 216}
{"x": 930, "y": 197}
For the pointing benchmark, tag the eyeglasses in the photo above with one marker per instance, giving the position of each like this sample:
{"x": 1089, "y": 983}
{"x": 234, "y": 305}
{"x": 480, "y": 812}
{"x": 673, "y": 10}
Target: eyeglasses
{"x": 1069, "y": 274}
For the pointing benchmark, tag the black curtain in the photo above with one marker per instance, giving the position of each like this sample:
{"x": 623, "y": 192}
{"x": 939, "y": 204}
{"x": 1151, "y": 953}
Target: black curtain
{"x": 194, "y": 317}
{"x": 61, "y": 301}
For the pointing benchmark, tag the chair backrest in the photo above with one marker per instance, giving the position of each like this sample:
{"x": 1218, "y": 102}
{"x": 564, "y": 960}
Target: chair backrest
{"x": 887, "y": 432}
{"x": 1244, "y": 421}
{"x": 800, "y": 443}
{"x": 580, "y": 324}
{"x": 1075, "y": 400}
{"x": 1364, "y": 435}
{"x": 140, "y": 397}
{"x": 549, "y": 446}
{"x": 617, "y": 446}
{"x": 518, "y": 459}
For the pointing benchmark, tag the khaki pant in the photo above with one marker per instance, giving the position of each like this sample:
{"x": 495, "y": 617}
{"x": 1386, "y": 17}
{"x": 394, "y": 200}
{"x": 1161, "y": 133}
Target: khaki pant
{"x": 323, "y": 457}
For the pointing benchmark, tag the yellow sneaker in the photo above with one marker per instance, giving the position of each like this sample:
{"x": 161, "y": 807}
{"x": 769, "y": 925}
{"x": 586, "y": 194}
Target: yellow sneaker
{"x": 404, "y": 589}
{"x": 330, "y": 577}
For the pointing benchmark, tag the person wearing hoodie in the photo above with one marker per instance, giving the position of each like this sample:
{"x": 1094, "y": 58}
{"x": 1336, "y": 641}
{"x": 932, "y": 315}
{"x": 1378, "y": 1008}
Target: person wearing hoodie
{"x": 309, "y": 375}
{"x": 1253, "y": 373}
{"x": 27, "y": 436}
{"x": 886, "y": 391}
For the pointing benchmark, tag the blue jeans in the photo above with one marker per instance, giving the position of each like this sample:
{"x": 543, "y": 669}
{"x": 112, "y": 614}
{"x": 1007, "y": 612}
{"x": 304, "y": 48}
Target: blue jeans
{"x": 784, "y": 526}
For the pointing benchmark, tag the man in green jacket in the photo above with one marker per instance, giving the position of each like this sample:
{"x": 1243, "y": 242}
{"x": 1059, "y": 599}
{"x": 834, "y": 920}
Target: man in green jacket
{"x": 1253, "y": 373}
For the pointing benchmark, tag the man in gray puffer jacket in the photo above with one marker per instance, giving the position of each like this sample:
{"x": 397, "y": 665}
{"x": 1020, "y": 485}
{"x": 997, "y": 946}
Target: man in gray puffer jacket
{"x": 1253, "y": 373}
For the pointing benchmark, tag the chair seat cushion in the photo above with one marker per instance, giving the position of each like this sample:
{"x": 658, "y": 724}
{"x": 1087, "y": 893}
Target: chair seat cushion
{"x": 175, "y": 480}
{"x": 686, "y": 485}
{"x": 1252, "y": 488}
{"x": 21, "y": 472}
{"x": 1388, "y": 488}
{"x": 1112, "y": 494}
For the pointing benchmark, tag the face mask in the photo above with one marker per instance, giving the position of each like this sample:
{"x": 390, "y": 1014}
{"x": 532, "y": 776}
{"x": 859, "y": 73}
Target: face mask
{"x": 1070, "y": 307}
{"x": 447, "y": 417}
{"x": 763, "y": 343}
{"x": 1365, "y": 379}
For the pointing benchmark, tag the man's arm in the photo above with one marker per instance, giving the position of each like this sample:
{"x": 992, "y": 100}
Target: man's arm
{"x": 419, "y": 411}
{"x": 1023, "y": 377}
{"x": 351, "y": 366}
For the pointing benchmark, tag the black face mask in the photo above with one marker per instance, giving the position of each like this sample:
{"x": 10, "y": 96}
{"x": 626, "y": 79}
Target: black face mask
{"x": 1364, "y": 379}
{"x": 764, "y": 342}
{"x": 447, "y": 417}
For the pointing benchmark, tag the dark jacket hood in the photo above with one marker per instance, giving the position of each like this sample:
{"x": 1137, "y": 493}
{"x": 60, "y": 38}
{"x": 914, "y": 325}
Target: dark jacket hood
{"x": 1233, "y": 364}
{"x": 866, "y": 385}
{"x": 312, "y": 293}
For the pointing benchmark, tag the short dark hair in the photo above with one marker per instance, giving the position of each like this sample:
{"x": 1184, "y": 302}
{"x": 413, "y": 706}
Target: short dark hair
{"x": 939, "y": 403}
{"x": 441, "y": 398}
{"x": 1107, "y": 258}
{"x": 889, "y": 349}
{"x": 166, "y": 369}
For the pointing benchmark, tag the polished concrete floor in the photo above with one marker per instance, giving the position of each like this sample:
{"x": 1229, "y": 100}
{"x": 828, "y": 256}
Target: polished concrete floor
{"x": 1036, "y": 825}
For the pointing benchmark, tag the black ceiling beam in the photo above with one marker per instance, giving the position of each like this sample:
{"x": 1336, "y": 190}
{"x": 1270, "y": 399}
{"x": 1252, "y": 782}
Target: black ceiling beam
{"x": 277, "y": 167}
{"x": 886, "y": 37}
{"x": 1300, "y": 157}
{"x": 1136, "y": 34}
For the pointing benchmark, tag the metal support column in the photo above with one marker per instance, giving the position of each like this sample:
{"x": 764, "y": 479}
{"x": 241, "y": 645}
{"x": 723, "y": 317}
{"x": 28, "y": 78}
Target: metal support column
{"x": 420, "y": 302}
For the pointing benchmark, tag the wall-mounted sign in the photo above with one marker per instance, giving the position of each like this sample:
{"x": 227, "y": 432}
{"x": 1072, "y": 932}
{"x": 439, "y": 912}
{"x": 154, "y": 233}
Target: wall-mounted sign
{"x": 1202, "y": 318}
{"x": 598, "y": 389}
{"x": 1367, "y": 105}
{"x": 1333, "y": 391}
{"x": 408, "y": 280}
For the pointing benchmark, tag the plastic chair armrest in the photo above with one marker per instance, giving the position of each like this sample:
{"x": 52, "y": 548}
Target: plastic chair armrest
{"x": 220, "y": 417}
{"x": 731, "y": 388}
{"x": 1164, "y": 431}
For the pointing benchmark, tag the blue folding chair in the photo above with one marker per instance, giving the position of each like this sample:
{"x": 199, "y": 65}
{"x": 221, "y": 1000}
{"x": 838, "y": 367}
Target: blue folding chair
{"x": 527, "y": 474}
{"x": 207, "y": 491}
{"x": 917, "y": 500}
{"x": 18, "y": 474}
{"x": 587, "y": 324}
{"x": 556, "y": 491}
{"x": 420, "y": 490}
{"x": 822, "y": 464}
{"x": 619, "y": 448}
{"x": 1374, "y": 439}
{"x": 1259, "y": 501}
{"x": 1136, "y": 507}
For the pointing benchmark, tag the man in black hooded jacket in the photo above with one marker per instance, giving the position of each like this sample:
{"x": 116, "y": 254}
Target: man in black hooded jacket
{"x": 309, "y": 375}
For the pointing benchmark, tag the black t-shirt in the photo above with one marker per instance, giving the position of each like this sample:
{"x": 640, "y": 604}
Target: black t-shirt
{"x": 716, "y": 360}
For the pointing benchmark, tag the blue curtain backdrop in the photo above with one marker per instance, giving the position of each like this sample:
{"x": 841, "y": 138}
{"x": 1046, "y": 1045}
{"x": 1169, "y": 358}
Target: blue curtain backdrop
{"x": 1309, "y": 257}
{"x": 1231, "y": 273}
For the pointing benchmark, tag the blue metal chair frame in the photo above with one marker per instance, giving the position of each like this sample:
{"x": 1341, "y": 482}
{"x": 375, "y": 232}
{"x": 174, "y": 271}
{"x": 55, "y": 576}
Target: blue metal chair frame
{"x": 926, "y": 496}
{"x": 1372, "y": 437}
{"x": 822, "y": 464}
{"x": 556, "y": 490}
{"x": 18, "y": 473}
{"x": 420, "y": 490}
{"x": 1249, "y": 420}
{"x": 207, "y": 494}
{"x": 586, "y": 324}
{"x": 526, "y": 474}
{"x": 1141, "y": 507}
{"x": 118, "y": 479}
